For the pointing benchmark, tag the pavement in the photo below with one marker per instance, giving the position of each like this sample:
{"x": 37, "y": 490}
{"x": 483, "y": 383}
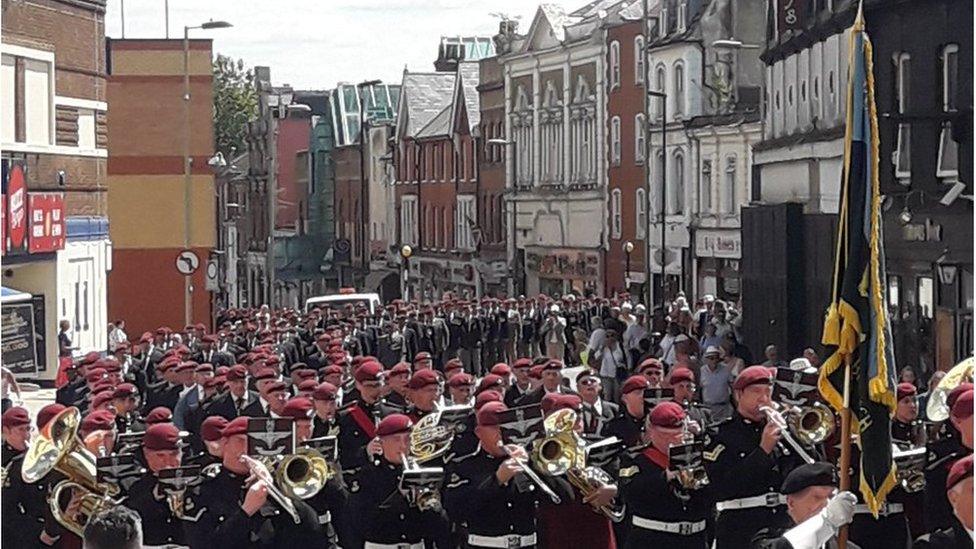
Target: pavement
{"x": 35, "y": 398}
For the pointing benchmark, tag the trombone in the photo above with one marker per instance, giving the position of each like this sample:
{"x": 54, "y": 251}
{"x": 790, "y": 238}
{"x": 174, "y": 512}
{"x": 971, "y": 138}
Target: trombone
{"x": 527, "y": 469}
{"x": 303, "y": 474}
{"x": 260, "y": 471}
{"x": 810, "y": 424}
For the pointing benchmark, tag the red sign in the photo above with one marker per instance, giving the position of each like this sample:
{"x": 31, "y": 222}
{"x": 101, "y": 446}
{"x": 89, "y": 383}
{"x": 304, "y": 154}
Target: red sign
{"x": 3, "y": 224}
{"x": 16, "y": 208}
{"x": 47, "y": 230}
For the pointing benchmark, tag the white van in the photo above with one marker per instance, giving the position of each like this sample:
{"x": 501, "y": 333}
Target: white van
{"x": 343, "y": 298}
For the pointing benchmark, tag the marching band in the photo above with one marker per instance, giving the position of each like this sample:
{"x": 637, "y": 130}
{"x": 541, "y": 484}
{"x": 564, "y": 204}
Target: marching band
{"x": 454, "y": 425}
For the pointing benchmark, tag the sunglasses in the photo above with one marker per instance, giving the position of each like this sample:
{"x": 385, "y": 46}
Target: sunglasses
{"x": 589, "y": 381}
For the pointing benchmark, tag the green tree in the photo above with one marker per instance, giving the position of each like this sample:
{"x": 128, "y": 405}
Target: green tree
{"x": 235, "y": 103}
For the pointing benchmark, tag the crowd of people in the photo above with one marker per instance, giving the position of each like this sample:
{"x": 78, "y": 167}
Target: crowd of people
{"x": 379, "y": 385}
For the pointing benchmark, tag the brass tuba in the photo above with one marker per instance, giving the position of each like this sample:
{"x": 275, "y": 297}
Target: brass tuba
{"x": 303, "y": 474}
{"x": 58, "y": 448}
{"x": 937, "y": 409}
{"x": 562, "y": 451}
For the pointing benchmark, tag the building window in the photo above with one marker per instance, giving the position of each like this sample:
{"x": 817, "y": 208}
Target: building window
{"x": 903, "y": 152}
{"x": 408, "y": 219}
{"x": 8, "y": 83}
{"x": 660, "y": 80}
{"x": 639, "y": 60}
{"x": 679, "y": 88}
{"x": 640, "y": 200}
{"x": 947, "y": 168}
{"x": 615, "y": 213}
{"x": 445, "y": 228}
{"x": 706, "y": 185}
{"x": 615, "y": 140}
{"x": 640, "y": 138}
{"x": 37, "y": 102}
{"x": 926, "y": 297}
{"x": 894, "y": 293}
{"x": 614, "y": 64}
{"x": 682, "y": 9}
{"x": 662, "y": 22}
{"x": 677, "y": 186}
{"x": 732, "y": 192}
{"x": 86, "y": 129}
{"x": 659, "y": 183}
{"x": 950, "y": 60}
{"x": 464, "y": 222}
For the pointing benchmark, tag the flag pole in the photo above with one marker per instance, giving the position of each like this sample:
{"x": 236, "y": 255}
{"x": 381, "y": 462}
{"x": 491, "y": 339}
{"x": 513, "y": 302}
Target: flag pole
{"x": 844, "y": 468}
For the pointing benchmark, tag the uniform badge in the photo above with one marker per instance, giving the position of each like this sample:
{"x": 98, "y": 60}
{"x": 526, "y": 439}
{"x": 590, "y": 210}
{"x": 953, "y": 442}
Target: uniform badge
{"x": 628, "y": 472}
{"x": 713, "y": 455}
{"x": 354, "y": 486}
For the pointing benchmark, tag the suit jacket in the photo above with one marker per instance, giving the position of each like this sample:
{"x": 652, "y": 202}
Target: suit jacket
{"x": 186, "y": 404}
{"x": 536, "y": 396}
{"x": 223, "y": 405}
{"x": 255, "y": 409}
{"x": 595, "y": 421}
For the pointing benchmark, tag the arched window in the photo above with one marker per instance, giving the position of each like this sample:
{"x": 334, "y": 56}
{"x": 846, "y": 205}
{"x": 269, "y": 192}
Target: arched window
{"x": 660, "y": 82}
{"x": 640, "y": 206}
{"x": 615, "y": 213}
{"x": 677, "y": 184}
{"x": 615, "y": 140}
{"x": 614, "y": 64}
{"x": 679, "y": 88}
{"x": 658, "y": 183}
{"x": 640, "y": 134}
{"x": 639, "y": 59}
{"x": 705, "y": 194}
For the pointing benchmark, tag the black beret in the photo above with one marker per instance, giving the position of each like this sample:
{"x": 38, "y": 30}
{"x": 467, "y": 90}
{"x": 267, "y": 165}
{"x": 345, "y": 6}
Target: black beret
{"x": 807, "y": 475}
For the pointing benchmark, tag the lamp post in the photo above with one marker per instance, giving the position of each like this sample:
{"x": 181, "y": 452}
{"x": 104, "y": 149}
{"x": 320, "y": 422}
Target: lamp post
{"x": 187, "y": 206}
{"x": 364, "y": 188}
{"x": 512, "y": 214}
{"x": 628, "y": 249}
{"x": 405, "y": 252}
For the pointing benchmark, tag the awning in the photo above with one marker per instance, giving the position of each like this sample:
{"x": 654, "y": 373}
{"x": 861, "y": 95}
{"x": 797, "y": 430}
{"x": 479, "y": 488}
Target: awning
{"x": 375, "y": 278}
{"x": 10, "y": 295}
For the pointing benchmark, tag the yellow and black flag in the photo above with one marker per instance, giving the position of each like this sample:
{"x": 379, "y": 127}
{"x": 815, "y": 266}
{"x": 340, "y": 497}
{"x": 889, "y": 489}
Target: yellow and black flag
{"x": 856, "y": 328}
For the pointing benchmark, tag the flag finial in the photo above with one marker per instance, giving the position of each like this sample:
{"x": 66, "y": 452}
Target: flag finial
{"x": 859, "y": 18}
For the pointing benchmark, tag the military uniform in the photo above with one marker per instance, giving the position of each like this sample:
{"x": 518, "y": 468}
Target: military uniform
{"x": 490, "y": 513}
{"x": 25, "y": 512}
{"x": 159, "y": 525}
{"x": 746, "y": 482}
{"x": 625, "y": 427}
{"x": 221, "y": 521}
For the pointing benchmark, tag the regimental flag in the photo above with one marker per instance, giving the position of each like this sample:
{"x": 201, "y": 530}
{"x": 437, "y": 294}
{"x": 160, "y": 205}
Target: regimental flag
{"x": 857, "y": 326}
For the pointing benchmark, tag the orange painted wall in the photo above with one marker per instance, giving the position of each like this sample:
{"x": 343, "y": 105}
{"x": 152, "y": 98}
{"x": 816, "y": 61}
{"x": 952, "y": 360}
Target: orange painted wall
{"x": 146, "y": 290}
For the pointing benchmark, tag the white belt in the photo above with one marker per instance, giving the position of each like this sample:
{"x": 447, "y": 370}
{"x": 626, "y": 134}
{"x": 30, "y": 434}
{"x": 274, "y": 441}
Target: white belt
{"x": 886, "y": 509}
{"x": 512, "y": 540}
{"x": 766, "y": 500}
{"x": 325, "y": 518}
{"x": 371, "y": 545}
{"x": 681, "y": 528}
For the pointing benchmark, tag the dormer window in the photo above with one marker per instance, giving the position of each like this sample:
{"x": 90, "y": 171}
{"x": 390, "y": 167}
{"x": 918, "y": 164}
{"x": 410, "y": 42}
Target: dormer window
{"x": 682, "y": 12}
{"x": 662, "y": 22}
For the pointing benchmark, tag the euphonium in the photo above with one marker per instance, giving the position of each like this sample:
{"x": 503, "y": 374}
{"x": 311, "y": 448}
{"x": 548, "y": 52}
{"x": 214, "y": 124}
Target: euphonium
{"x": 58, "y": 448}
{"x": 303, "y": 474}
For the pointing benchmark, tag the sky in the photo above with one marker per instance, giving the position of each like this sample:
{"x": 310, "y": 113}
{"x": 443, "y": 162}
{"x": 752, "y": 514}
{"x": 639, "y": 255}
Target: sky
{"x": 314, "y": 44}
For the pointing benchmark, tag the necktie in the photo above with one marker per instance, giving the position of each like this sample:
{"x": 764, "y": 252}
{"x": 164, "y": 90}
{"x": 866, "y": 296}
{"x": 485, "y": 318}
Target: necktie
{"x": 239, "y": 404}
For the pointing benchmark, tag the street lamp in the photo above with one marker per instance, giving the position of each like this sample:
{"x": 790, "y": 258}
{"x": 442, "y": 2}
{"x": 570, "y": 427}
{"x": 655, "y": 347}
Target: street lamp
{"x": 187, "y": 209}
{"x": 628, "y": 249}
{"x": 364, "y": 203}
{"x": 513, "y": 212}
{"x": 405, "y": 252}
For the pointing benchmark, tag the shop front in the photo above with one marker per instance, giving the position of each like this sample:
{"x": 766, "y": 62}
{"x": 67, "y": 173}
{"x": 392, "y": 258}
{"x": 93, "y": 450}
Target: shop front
{"x": 718, "y": 253}
{"x": 559, "y": 271}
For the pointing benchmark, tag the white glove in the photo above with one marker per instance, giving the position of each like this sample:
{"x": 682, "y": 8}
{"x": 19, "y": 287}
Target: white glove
{"x": 818, "y": 529}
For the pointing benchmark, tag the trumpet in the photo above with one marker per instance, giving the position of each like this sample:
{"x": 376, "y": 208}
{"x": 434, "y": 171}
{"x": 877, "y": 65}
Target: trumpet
{"x": 260, "y": 471}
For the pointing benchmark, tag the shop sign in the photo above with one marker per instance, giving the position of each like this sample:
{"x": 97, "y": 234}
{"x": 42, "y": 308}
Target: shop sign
{"x": 718, "y": 244}
{"x": 19, "y": 346}
{"x": 565, "y": 264}
{"x": 47, "y": 230}
{"x": 16, "y": 210}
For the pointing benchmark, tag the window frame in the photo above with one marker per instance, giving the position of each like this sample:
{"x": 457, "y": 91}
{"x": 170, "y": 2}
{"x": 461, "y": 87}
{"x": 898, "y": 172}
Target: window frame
{"x": 640, "y": 213}
{"x": 901, "y": 157}
{"x": 640, "y": 137}
{"x": 615, "y": 145}
{"x": 616, "y": 213}
{"x": 678, "y": 82}
{"x": 639, "y": 60}
{"x": 614, "y": 64}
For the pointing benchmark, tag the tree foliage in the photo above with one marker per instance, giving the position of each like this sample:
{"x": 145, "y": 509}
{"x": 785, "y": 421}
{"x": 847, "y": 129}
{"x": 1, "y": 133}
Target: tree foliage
{"x": 235, "y": 103}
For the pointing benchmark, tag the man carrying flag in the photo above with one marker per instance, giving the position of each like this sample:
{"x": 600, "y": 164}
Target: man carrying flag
{"x": 858, "y": 374}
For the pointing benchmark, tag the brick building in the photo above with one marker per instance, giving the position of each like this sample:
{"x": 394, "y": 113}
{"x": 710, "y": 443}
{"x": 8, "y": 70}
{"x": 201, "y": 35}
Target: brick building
{"x": 146, "y": 180}
{"x": 493, "y": 218}
{"x": 56, "y": 250}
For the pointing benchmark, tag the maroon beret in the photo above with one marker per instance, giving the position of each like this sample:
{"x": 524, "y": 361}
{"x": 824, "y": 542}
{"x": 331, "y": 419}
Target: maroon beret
{"x": 308, "y": 385}
{"x": 453, "y": 364}
{"x": 103, "y": 385}
{"x": 501, "y": 369}
{"x": 209, "y": 338}
{"x": 585, "y": 373}
{"x": 304, "y": 373}
{"x": 553, "y": 365}
{"x": 47, "y": 413}
{"x": 423, "y": 355}
{"x": 400, "y": 368}
{"x": 95, "y": 374}
{"x": 393, "y": 424}
{"x": 111, "y": 365}
{"x": 264, "y": 374}
{"x": 535, "y": 372}
{"x": 369, "y": 371}
{"x": 682, "y": 374}
{"x": 489, "y": 414}
{"x": 204, "y": 368}
{"x": 237, "y": 372}
{"x": 753, "y": 375}
{"x": 238, "y": 426}
{"x": 161, "y": 436}
{"x": 668, "y": 415}
{"x": 102, "y": 397}
{"x": 962, "y": 408}
{"x": 486, "y": 397}
{"x": 423, "y": 378}
{"x": 906, "y": 390}
{"x": 523, "y": 363}
{"x": 185, "y": 366}
{"x": 275, "y": 386}
{"x": 159, "y": 414}
{"x": 212, "y": 427}
{"x": 331, "y": 369}
{"x": 460, "y": 380}
{"x": 960, "y": 471}
{"x": 650, "y": 364}
{"x": 298, "y": 408}
{"x": 15, "y": 417}
{"x": 553, "y": 402}
{"x": 90, "y": 357}
{"x": 222, "y": 370}
{"x": 955, "y": 393}
{"x": 490, "y": 381}
{"x": 125, "y": 390}
{"x": 99, "y": 420}
{"x": 325, "y": 391}
{"x": 634, "y": 383}
{"x": 146, "y": 338}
